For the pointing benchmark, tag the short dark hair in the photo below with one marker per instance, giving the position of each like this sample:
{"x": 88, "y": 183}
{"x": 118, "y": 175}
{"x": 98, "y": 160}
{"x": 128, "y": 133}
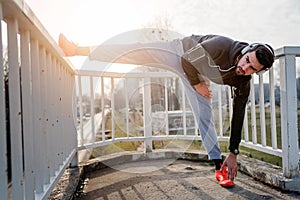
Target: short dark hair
{"x": 265, "y": 55}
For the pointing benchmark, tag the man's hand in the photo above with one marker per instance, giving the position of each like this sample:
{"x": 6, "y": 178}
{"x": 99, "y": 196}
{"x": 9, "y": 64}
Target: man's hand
{"x": 203, "y": 90}
{"x": 231, "y": 164}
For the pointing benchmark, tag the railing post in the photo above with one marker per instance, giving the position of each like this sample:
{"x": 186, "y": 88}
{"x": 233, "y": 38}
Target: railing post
{"x": 147, "y": 114}
{"x": 74, "y": 162}
{"x": 44, "y": 114}
{"x": 36, "y": 112}
{"x": 80, "y": 110}
{"x": 272, "y": 109}
{"x": 27, "y": 115}
{"x": 92, "y": 107}
{"x": 288, "y": 105}
{"x": 262, "y": 112}
{"x": 253, "y": 113}
{"x": 15, "y": 111}
{"x": 3, "y": 145}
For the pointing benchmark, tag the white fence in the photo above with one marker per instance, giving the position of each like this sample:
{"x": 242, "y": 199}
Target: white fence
{"x": 286, "y": 112}
{"x": 40, "y": 133}
{"x": 40, "y": 127}
{"x": 285, "y": 66}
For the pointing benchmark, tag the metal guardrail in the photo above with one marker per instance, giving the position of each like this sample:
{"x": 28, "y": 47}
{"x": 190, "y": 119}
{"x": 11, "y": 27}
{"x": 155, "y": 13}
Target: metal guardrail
{"x": 40, "y": 125}
{"x": 42, "y": 134}
{"x": 288, "y": 106}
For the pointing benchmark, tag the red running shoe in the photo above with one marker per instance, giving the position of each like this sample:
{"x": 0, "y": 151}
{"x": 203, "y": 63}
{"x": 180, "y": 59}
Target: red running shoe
{"x": 222, "y": 177}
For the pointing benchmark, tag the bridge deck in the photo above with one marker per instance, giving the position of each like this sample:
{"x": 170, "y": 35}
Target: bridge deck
{"x": 171, "y": 179}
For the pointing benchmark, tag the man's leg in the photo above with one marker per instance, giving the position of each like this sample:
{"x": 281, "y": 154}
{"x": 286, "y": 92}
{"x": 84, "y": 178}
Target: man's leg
{"x": 203, "y": 112}
{"x": 166, "y": 55}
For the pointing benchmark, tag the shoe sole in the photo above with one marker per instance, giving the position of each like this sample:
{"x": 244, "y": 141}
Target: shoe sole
{"x": 226, "y": 183}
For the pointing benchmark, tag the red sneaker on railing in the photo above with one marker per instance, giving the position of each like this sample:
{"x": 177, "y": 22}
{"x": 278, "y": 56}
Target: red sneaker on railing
{"x": 222, "y": 177}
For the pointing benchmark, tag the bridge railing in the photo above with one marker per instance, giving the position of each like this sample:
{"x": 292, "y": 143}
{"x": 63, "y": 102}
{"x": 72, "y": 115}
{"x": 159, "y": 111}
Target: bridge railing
{"x": 37, "y": 131}
{"x": 38, "y": 119}
{"x": 271, "y": 115}
{"x": 272, "y": 122}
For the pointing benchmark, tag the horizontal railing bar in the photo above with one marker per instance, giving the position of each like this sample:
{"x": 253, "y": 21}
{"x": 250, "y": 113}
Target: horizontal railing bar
{"x": 137, "y": 139}
{"x": 288, "y": 50}
{"x": 259, "y": 147}
{"x": 265, "y": 149}
{"x": 110, "y": 141}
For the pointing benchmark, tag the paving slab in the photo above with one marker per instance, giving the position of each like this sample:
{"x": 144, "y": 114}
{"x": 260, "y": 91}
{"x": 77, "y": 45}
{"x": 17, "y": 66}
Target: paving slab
{"x": 171, "y": 179}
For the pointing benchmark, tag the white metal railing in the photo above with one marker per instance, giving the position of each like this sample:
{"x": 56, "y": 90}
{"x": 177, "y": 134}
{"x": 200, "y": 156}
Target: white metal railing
{"x": 144, "y": 84}
{"x": 288, "y": 113}
{"x": 42, "y": 132}
{"x": 41, "y": 129}
{"x": 288, "y": 109}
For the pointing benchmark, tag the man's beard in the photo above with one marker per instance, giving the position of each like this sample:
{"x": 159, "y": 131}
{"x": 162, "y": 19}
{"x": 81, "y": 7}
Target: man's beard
{"x": 239, "y": 71}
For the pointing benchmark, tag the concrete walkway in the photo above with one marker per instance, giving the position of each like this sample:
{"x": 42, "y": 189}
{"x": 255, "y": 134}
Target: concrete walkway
{"x": 168, "y": 179}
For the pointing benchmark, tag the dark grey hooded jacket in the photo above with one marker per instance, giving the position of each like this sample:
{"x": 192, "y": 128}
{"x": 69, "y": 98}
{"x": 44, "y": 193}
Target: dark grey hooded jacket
{"x": 219, "y": 66}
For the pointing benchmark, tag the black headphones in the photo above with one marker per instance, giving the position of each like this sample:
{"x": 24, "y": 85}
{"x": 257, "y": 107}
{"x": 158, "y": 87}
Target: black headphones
{"x": 252, "y": 47}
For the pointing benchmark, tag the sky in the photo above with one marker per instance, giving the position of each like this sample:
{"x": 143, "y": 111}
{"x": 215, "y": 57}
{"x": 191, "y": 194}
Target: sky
{"x": 91, "y": 22}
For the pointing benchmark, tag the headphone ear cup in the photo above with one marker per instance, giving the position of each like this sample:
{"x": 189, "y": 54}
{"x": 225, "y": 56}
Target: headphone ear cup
{"x": 245, "y": 49}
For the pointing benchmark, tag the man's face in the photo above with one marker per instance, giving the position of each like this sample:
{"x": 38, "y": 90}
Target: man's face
{"x": 248, "y": 64}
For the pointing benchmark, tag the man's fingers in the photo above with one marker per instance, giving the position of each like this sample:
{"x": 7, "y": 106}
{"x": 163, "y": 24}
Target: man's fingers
{"x": 208, "y": 94}
{"x": 203, "y": 89}
{"x": 232, "y": 174}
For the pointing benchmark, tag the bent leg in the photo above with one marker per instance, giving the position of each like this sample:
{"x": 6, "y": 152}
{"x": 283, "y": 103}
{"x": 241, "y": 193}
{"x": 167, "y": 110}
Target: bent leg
{"x": 166, "y": 55}
{"x": 203, "y": 112}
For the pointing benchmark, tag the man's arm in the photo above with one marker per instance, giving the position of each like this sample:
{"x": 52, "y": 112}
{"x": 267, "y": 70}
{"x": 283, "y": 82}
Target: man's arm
{"x": 239, "y": 104}
{"x": 241, "y": 95}
{"x": 191, "y": 72}
{"x": 199, "y": 83}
